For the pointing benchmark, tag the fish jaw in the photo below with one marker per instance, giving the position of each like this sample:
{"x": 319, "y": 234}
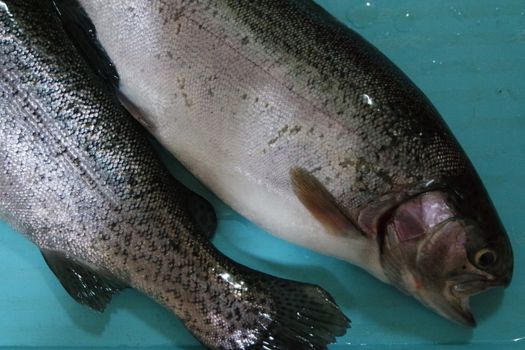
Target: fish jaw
{"x": 448, "y": 305}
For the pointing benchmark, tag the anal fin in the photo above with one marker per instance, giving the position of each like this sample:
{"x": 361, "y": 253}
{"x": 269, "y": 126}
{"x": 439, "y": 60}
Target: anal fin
{"x": 87, "y": 286}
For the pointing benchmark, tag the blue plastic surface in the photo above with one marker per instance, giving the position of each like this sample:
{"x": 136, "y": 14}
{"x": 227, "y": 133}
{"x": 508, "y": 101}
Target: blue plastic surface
{"x": 469, "y": 58}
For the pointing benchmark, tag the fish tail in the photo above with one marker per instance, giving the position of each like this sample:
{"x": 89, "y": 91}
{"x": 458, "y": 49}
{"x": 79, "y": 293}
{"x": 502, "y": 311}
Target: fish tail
{"x": 304, "y": 316}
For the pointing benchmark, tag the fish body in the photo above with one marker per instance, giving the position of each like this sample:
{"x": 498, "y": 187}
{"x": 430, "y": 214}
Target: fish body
{"x": 305, "y": 128}
{"x": 80, "y": 180}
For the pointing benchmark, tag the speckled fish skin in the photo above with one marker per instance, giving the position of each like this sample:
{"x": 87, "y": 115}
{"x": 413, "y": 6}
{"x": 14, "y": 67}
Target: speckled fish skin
{"x": 254, "y": 97}
{"x": 79, "y": 179}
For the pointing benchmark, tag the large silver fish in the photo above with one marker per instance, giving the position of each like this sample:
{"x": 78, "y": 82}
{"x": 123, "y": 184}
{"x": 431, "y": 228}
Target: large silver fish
{"x": 79, "y": 179}
{"x": 302, "y": 126}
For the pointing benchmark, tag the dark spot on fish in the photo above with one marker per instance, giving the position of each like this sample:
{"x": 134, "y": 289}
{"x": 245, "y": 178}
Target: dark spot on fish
{"x": 272, "y": 141}
{"x": 383, "y": 175}
{"x": 181, "y": 82}
{"x": 187, "y": 100}
{"x": 178, "y": 14}
{"x": 347, "y": 162}
{"x": 210, "y": 92}
{"x": 295, "y": 130}
{"x": 238, "y": 314}
{"x": 169, "y": 54}
{"x": 245, "y": 40}
{"x": 362, "y": 166}
{"x": 244, "y": 96}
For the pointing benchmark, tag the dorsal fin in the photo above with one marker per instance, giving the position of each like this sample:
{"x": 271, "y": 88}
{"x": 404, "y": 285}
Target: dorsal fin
{"x": 87, "y": 285}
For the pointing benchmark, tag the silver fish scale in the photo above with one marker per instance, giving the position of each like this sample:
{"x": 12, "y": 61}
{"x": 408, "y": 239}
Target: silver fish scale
{"x": 276, "y": 94}
{"x": 78, "y": 176}
{"x": 391, "y": 135}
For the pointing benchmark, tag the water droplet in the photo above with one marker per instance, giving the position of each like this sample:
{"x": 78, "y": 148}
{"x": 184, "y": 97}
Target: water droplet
{"x": 368, "y": 100}
{"x": 362, "y": 14}
{"x": 404, "y": 22}
{"x": 457, "y": 12}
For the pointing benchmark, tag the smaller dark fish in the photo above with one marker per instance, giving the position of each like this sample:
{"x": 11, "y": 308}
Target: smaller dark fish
{"x": 79, "y": 179}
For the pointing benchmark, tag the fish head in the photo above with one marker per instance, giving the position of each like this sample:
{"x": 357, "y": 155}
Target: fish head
{"x": 443, "y": 252}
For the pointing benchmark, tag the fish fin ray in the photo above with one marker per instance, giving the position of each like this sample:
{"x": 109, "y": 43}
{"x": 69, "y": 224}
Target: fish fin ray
{"x": 320, "y": 203}
{"x": 81, "y": 30}
{"x": 305, "y": 317}
{"x": 87, "y": 286}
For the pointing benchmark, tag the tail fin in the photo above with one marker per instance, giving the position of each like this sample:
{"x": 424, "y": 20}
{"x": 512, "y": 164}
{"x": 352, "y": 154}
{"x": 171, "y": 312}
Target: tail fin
{"x": 305, "y": 317}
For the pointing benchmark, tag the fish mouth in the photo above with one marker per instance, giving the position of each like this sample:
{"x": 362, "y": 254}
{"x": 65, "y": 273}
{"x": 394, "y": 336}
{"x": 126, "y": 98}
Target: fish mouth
{"x": 454, "y": 302}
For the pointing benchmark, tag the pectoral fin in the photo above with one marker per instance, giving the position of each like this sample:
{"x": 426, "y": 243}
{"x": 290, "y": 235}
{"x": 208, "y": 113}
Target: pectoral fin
{"x": 320, "y": 203}
{"x": 86, "y": 285}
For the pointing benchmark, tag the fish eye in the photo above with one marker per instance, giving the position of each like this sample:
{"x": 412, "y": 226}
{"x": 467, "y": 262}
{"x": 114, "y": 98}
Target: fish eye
{"x": 485, "y": 257}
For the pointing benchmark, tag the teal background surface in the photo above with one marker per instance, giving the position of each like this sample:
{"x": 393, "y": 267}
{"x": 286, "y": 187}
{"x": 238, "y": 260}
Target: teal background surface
{"x": 469, "y": 57}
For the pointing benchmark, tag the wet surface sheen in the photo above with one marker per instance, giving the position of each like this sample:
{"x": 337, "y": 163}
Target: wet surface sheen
{"x": 468, "y": 57}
